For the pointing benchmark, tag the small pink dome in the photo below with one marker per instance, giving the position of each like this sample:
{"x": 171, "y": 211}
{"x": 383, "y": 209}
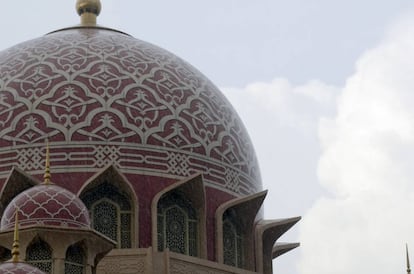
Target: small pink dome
{"x": 49, "y": 205}
{"x": 18, "y": 268}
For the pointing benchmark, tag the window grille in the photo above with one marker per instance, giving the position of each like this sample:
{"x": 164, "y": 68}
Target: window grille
{"x": 75, "y": 260}
{"x": 105, "y": 218}
{"x": 39, "y": 254}
{"x": 175, "y": 229}
{"x": 125, "y": 229}
{"x": 232, "y": 244}
{"x": 177, "y": 225}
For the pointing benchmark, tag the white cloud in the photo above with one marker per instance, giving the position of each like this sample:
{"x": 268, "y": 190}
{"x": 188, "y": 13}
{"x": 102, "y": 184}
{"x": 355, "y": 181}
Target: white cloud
{"x": 367, "y": 164}
{"x": 287, "y": 105}
{"x": 282, "y": 120}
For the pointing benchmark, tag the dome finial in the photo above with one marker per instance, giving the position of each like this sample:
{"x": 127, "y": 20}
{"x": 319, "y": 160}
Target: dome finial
{"x": 16, "y": 245}
{"x": 88, "y": 11}
{"x": 47, "y": 175}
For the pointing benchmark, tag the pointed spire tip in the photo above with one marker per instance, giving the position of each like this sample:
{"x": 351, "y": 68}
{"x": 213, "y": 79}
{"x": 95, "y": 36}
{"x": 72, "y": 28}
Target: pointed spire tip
{"x": 47, "y": 175}
{"x": 16, "y": 245}
{"x": 407, "y": 259}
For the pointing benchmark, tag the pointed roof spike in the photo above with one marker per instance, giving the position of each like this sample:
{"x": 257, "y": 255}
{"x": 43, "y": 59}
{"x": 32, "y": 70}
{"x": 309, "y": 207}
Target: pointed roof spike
{"x": 47, "y": 175}
{"x": 407, "y": 259}
{"x": 16, "y": 245}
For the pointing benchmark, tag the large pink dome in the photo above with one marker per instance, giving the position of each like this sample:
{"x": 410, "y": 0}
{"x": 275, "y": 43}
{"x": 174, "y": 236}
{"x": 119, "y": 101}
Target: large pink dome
{"x": 103, "y": 97}
{"x": 48, "y": 205}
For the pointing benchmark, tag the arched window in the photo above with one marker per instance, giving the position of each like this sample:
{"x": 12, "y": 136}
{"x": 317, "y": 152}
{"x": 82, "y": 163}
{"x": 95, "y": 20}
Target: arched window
{"x": 111, "y": 213}
{"x": 177, "y": 224}
{"x": 75, "y": 260}
{"x": 5, "y": 254}
{"x": 39, "y": 254}
{"x": 232, "y": 243}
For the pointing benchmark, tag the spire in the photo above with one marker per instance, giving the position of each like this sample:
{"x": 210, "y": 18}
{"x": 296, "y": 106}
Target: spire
{"x": 88, "y": 11}
{"x": 407, "y": 259}
{"x": 16, "y": 246}
{"x": 47, "y": 175}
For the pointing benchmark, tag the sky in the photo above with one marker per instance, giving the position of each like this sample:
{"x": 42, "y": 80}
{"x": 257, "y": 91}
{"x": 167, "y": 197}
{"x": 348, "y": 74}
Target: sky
{"x": 326, "y": 90}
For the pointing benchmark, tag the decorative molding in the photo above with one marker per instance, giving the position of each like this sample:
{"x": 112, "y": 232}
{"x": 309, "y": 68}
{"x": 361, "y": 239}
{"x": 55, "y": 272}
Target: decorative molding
{"x": 133, "y": 261}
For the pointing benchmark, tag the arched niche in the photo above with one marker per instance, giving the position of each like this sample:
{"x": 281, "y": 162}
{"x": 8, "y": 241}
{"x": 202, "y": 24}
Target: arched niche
{"x": 235, "y": 230}
{"x": 76, "y": 259}
{"x": 112, "y": 204}
{"x": 17, "y": 182}
{"x": 5, "y": 254}
{"x": 40, "y": 254}
{"x": 181, "y": 199}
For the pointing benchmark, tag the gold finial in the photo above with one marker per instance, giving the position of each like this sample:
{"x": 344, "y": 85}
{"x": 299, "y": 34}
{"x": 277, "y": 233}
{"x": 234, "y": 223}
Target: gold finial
{"x": 47, "y": 175}
{"x": 16, "y": 246}
{"x": 407, "y": 259}
{"x": 88, "y": 11}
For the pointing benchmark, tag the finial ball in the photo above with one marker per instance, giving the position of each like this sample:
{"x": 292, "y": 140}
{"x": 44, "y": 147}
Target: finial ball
{"x": 88, "y": 6}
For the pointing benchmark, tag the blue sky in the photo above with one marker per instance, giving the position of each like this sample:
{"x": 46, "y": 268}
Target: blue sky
{"x": 323, "y": 87}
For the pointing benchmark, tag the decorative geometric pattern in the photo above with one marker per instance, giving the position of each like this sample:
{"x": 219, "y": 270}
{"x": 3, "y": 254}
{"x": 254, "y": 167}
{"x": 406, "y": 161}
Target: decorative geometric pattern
{"x": 103, "y": 97}
{"x": 233, "y": 180}
{"x": 178, "y": 164}
{"x": 105, "y": 219}
{"x": 46, "y": 205}
{"x": 106, "y": 155}
{"x": 18, "y": 268}
{"x": 31, "y": 158}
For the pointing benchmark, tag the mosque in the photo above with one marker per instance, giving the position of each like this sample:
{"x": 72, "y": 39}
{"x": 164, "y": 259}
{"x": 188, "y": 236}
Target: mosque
{"x": 116, "y": 156}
